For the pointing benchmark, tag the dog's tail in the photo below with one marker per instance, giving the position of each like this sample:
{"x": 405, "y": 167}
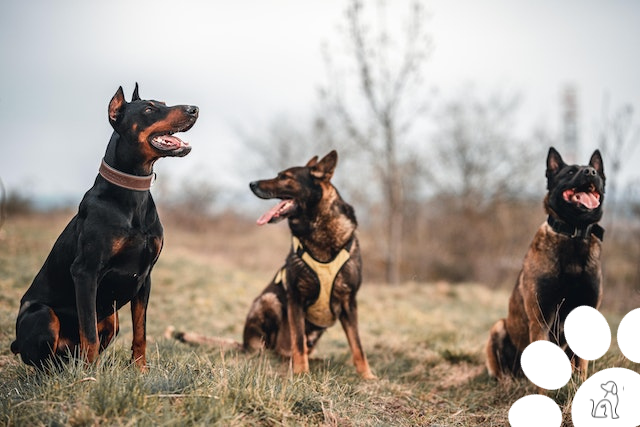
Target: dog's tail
{"x": 198, "y": 339}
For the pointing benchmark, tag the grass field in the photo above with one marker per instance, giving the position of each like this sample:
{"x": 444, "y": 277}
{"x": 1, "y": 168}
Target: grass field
{"x": 424, "y": 342}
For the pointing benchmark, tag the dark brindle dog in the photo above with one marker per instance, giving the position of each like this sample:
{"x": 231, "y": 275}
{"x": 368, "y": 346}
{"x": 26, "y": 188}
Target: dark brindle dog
{"x": 322, "y": 274}
{"x": 561, "y": 270}
{"x": 103, "y": 258}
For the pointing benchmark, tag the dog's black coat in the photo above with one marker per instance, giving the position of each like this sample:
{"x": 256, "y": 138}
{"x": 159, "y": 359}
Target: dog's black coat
{"x": 561, "y": 270}
{"x": 103, "y": 258}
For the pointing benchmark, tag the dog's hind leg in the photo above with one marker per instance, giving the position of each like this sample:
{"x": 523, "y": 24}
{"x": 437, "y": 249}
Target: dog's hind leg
{"x": 313, "y": 334}
{"x": 37, "y": 334}
{"x": 265, "y": 326}
{"x": 253, "y": 337}
{"x": 502, "y": 356}
{"x": 497, "y": 334}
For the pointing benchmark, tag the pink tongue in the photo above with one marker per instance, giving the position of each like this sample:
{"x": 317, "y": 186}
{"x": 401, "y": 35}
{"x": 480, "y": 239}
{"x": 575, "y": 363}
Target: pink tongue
{"x": 274, "y": 212}
{"x": 588, "y": 200}
{"x": 173, "y": 140}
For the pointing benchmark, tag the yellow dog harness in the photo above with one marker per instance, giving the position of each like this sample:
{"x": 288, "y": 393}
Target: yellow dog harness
{"x": 319, "y": 313}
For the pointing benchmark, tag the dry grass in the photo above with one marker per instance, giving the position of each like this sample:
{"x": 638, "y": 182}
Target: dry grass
{"x": 424, "y": 341}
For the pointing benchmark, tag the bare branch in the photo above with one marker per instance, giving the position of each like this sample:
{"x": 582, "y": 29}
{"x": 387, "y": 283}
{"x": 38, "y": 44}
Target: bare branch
{"x": 360, "y": 49}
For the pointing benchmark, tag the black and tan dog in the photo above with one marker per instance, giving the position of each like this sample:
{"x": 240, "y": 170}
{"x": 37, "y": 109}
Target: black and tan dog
{"x": 103, "y": 258}
{"x": 320, "y": 278}
{"x": 561, "y": 270}
{"x": 322, "y": 273}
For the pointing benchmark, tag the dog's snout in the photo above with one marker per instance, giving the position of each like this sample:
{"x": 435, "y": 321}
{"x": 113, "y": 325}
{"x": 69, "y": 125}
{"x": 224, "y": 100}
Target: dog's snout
{"x": 590, "y": 171}
{"x": 253, "y": 185}
{"x": 192, "y": 110}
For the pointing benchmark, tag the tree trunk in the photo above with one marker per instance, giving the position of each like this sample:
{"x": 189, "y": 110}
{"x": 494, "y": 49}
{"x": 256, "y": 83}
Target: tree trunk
{"x": 395, "y": 205}
{"x": 394, "y": 245}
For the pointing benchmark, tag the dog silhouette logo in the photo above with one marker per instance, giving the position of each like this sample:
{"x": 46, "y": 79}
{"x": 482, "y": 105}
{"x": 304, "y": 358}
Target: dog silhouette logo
{"x": 608, "y": 406}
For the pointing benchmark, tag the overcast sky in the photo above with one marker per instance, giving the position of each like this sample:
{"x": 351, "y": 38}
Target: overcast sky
{"x": 245, "y": 63}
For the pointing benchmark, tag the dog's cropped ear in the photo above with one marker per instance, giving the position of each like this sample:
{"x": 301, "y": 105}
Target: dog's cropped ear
{"x": 324, "y": 168}
{"x": 312, "y": 162}
{"x": 597, "y": 163}
{"x": 554, "y": 162}
{"x": 115, "y": 106}
{"x": 135, "y": 96}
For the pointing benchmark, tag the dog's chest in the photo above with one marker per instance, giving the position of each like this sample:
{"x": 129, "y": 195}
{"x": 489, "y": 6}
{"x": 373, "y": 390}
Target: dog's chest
{"x": 578, "y": 259}
{"x": 132, "y": 258}
{"x": 574, "y": 269}
{"x": 136, "y": 252}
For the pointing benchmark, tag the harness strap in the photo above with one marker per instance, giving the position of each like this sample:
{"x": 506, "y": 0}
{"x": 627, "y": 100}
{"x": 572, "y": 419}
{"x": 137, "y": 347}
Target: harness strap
{"x": 281, "y": 277}
{"x": 319, "y": 313}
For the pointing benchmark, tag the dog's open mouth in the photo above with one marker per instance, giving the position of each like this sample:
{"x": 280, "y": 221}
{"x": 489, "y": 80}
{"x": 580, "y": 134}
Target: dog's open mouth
{"x": 169, "y": 143}
{"x": 588, "y": 198}
{"x": 278, "y": 212}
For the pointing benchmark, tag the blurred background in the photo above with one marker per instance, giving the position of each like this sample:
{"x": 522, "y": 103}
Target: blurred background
{"x": 442, "y": 113}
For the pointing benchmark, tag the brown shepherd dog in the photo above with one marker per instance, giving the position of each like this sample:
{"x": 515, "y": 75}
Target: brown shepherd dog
{"x": 320, "y": 278}
{"x": 561, "y": 270}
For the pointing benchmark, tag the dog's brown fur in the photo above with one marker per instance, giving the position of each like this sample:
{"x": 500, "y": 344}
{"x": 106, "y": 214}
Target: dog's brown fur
{"x": 325, "y": 225}
{"x": 559, "y": 272}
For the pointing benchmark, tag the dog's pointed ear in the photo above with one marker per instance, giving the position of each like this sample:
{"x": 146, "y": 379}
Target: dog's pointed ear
{"x": 597, "y": 163}
{"x": 312, "y": 162}
{"x": 135, "y": 96}
{"x": 324, "y": 168}
{"x": 115, "y": 106}
{"x": 554, "y": 162}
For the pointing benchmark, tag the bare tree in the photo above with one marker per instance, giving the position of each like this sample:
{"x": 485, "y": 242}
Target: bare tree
{"x": 618, "y": 138}
{"x": 477, "y": 156}
{"x": 377, "y": 121}
{"x": 282, "y": 144}
{"x": 482, "y": 176}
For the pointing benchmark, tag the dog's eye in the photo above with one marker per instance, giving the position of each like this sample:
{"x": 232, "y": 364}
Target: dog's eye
{"x": 572, "y": 171}
{"x": 148, "y": 110}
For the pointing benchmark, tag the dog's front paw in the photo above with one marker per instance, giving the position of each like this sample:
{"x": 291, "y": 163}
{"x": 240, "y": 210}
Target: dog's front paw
{"x": 141, "y": 364}
{"x": 300, "y": 363}
{"x": 300, "y": 369}
{"x": 368, "y": 375}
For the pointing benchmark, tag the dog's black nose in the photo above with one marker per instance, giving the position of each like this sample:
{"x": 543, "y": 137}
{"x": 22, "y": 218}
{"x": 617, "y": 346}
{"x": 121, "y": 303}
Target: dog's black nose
{"x": 192, "y": 110}
{"x": 253, "y": 185}
{"x": 590, "y": 171}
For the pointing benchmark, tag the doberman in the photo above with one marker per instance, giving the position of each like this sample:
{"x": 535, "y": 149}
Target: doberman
{"x": 104, "y": 257}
